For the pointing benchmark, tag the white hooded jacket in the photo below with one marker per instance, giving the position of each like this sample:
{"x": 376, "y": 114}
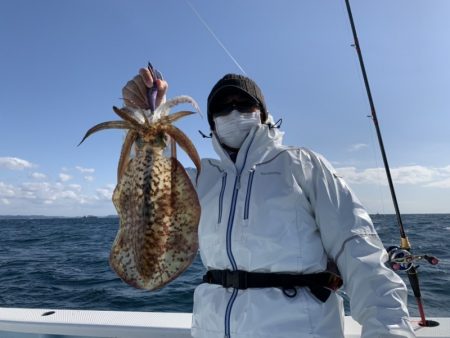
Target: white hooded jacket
{"x": 284, "y": 209}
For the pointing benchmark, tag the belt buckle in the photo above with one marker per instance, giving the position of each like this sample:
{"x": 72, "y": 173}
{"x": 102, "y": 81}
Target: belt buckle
{"x": 235, "y": 279}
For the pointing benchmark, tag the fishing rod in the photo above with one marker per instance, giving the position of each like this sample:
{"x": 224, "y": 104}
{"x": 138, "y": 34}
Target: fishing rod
{"x": 401, "y": 258}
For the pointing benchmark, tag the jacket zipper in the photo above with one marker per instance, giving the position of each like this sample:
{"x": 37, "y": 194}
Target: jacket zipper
{"x": 250, "y": 184}
{"x": 222, "y": 190}
{"x": 228, "y": 313}
{"x": 230, "y": 221}
{"x": 249, "y": 193}
{"x": 237, "y": 186}
{"x": 230, "y": 253}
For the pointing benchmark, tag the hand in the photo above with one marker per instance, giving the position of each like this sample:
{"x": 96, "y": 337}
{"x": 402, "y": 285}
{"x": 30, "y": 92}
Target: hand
{"x": 135, "y": 91}
{"x": 161, "y": 85}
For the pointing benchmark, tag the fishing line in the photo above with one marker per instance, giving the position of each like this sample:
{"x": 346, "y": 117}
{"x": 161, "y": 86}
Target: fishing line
{"x": 215, "y": 36}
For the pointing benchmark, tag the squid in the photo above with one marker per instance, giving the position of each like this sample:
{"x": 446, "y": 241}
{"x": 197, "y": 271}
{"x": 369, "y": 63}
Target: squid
{"x": 155, "y": 199}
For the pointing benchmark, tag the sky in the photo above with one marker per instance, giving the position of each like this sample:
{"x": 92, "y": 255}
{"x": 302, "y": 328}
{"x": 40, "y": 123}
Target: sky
{"x": 64, "y": 63}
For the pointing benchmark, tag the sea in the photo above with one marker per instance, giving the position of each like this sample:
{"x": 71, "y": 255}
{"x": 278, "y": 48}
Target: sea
{"x": 62, "y": 263}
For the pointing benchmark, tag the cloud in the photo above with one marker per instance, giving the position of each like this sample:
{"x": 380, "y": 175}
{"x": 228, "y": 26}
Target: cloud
{"x": 371, "y": 175}
{"x": 415, "y": 174}
{"x": 38, "y": 176}
{"x": 357, "y": 146}
{"x": 446, "y": 169}
{"x": 85, "y": 170}
{"x": 106, "y": 192}
{"x": 407, "y": 175}
{"x": 75, "y": 187}
{"x": 444, "y": 184}
{"x": 6, "y": 190}
{"x": 64, "y": 177}
{"x": 14, "y": 163}
{"x": 35, "y": 194}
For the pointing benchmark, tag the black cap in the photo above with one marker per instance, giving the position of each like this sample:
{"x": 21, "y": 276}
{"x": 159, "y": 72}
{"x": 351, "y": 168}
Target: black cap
{"x": 240, "y": 83}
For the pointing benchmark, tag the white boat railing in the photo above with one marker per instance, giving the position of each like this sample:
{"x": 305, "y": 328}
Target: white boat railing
{"x": 48, "y": 323}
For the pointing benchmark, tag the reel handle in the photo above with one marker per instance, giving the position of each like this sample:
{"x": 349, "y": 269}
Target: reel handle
{"x": 431, "y": 259}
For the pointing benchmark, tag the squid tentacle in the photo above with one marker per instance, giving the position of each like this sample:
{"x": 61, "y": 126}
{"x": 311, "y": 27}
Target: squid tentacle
{"x": 164, "y": 108}
{"x": 176, "y": 116}
{"x": 185, "y": 143}
{"x": 126, "y": 114}
{"x": 107, "y": 125}
{"x": 125, "y": 153}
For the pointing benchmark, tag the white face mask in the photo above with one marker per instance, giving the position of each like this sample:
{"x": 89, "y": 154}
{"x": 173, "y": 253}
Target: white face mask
{"x": 233, "y": 128}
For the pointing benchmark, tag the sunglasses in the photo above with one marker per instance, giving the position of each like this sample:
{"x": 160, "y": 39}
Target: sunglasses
{"x": 243, "y": 105}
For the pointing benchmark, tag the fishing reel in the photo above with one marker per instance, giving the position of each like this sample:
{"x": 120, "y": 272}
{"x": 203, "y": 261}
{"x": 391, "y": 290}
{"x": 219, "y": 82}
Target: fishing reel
{"x": 402, "y": 260}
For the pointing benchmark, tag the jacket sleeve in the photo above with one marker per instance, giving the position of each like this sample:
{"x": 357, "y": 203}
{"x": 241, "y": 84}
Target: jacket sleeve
{"x": 377, "y": 294}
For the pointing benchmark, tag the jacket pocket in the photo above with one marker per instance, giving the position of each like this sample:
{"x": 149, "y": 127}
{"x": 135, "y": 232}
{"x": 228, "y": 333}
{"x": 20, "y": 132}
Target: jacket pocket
{"x": 222, "y": 191}
{"x": 249, "y": 193}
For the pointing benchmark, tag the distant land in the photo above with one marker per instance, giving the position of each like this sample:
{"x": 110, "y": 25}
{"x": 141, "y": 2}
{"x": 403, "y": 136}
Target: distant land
{"x": 116, "y": 216}
{"x": 46, "y": 217}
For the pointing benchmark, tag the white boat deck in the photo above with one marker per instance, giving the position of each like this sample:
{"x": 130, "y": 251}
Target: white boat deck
{"x": 47, "y": 323}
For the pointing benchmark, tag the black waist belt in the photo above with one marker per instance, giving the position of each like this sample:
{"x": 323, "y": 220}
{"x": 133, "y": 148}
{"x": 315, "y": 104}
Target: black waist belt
{"x": 321, "y": 284}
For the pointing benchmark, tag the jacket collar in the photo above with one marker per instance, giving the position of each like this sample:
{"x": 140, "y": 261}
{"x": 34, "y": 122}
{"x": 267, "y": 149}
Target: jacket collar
{"x": 260, "y": 141}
